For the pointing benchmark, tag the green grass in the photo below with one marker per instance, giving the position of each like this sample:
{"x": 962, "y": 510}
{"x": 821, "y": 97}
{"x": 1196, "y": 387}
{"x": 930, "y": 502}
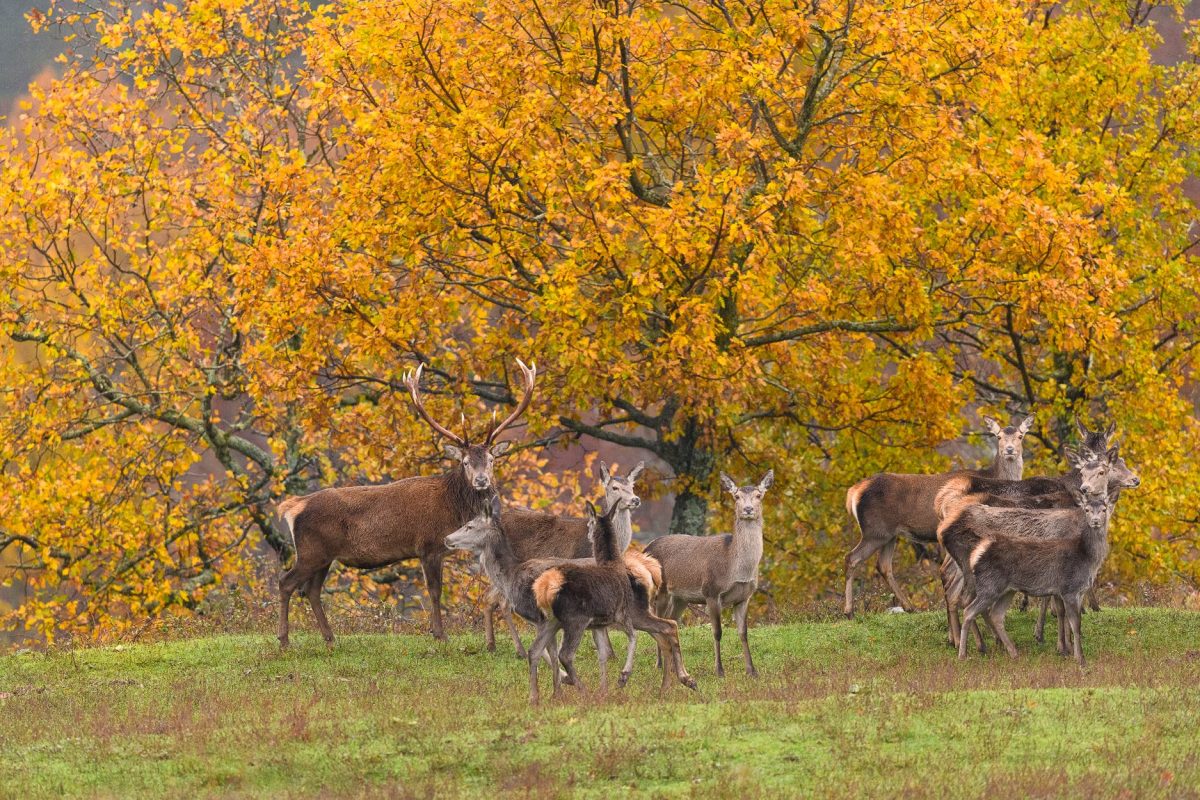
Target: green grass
{"x": 872, "y": 707}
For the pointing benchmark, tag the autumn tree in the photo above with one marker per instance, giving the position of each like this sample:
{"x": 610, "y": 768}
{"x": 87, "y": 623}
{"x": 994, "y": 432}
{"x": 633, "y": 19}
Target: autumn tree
{"x": 732, "y": 234}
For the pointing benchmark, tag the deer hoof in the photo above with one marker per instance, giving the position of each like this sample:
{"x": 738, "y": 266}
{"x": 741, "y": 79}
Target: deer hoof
{"x": 688, "y": 681}
{"x": 752, "y": 672}
{"x": 283, "y": 643}
{"x": 624, "y": 679}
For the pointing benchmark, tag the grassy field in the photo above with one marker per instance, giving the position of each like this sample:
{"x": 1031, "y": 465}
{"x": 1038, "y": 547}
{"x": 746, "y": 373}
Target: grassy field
{"x": 872, "y": 707}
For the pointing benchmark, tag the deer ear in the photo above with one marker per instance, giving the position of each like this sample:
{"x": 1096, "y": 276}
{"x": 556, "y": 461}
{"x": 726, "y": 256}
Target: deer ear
{"x": 1110, "y": 430}
{"x": 1079, "y": 497}
{"x": 767, "y": 481}
{"x": 453, "y": 452}
{"x": 1114, "y": 453}
{"x": 727, "y": 483}
{"x": 1083, "y": 432}
{"x": 992, "y": 426}
{"x": 633, "y": 473}
{"x": 1026, "y": 424}
{"x": 500, "y": 448}
{"x": 605, "y": 475}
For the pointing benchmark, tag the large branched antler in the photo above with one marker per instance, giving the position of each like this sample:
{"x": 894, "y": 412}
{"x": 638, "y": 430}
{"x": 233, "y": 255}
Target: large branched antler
{"x": 530, "y": 376}
{"x": 413, "y": 381}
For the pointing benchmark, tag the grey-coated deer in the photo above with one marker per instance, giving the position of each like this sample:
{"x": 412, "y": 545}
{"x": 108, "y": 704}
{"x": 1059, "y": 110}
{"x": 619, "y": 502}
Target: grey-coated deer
{"x": 889, "y": 505}
{"x": 608, "y": 590}
{"x": 1052, "y": 552}
{"x": 372, "y": 526}
{"x": 719, "y": 571}
{"x": 537, "y": 534}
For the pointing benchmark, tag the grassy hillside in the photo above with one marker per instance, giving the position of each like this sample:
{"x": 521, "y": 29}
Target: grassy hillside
{"x": 872, "y": 707}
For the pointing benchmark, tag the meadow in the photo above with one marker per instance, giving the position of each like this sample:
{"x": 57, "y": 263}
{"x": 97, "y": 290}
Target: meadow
{"x": 876, "y": 706}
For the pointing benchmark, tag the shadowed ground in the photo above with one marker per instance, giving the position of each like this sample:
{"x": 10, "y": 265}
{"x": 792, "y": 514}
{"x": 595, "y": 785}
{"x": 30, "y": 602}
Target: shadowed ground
{"x": 876, "y": 706}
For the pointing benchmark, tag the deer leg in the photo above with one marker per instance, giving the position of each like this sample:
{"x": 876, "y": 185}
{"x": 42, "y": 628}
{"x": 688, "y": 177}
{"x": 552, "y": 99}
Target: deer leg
{"x": 995, "y": 618}
{"x": 861, "y": 552}
{"x": 630, "y": 647}
{"x": 572, "y": 636}
{"x": 973, "y": 610}
{"x": 288, "y": 584}
{"x": 666, "y": 633}
{"x": 714, "y": 617}
{"x": 1039, "y": 628}
{"x": 884, "y": 566}
{"x": 1024, "y": 602}
{"x": 313, "y": 592}
{"x": 1073, "y": 607}
{"x": 489, "y": 625}
{"x": 1063, "y": 645}
{"x": 431, "y": 565}
{"x": 668, "y": 607}
{"x": 1093, "y": 603}
{"x": 952, "y": 592}
{"x": 511, "y": 621}
{"x": 604, "y": 651}
{"x": 740, "y": 613}
{"x": 542, "y": 643}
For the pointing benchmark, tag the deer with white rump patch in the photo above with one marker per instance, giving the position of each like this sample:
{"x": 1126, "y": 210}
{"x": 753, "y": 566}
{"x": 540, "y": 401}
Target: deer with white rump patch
{"x": 610, "y": 590}
{"x": 719, "y": 571}
{"x": 889, "y": 505}
{"x": 537, "y": 534}
{"x": 1052, "y": 552}
{"x": 372, "y": 526}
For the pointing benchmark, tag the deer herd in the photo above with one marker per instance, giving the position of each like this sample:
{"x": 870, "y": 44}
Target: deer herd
{"x": 999, "y": 534}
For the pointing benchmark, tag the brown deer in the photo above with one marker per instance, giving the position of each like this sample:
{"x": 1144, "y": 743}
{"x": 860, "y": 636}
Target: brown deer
{"x": 609, "y": 590}
{"x": 1041, "y": 552}
{"x": 889, "y": 505}
{"x": 1105, "y": 472}
{"x": 719, "y": 571}
{"x": 372, "y": 526}
{"x": 537, "y": 534}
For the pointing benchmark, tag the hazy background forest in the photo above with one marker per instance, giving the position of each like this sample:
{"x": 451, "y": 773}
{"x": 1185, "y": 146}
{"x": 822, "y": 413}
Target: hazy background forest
{"x": 732, "y": 235}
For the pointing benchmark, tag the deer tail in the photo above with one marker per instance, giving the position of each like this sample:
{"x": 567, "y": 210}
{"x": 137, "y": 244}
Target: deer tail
{"x": 951, "y": 499}
{"x": 645, "y": 570}
{"x": 546, "y": 587}
{"x": 289, "y": 508}
{"x": 853, "y": 495}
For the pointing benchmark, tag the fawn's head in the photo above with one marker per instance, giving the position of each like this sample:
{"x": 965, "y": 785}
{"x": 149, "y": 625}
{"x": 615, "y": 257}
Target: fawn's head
{"x": 1008, "y": 440}
{"x": 747, "y": 500}
{"x": 619, "y": 492}
{"x": 1096, "y": 508}
{"x": 475, "y": 534}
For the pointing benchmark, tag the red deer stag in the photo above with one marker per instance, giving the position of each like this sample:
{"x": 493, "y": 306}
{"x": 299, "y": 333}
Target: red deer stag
{"x": 372, "y": 526}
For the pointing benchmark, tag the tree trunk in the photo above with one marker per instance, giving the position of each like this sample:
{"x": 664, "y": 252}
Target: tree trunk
{"x": 693, "y": 463}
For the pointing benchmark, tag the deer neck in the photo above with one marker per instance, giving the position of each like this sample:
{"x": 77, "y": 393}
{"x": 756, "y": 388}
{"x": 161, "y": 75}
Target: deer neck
{"x": 500, "y": 564}
{"x": 747, "y": 548}
{"x": 1008, "y": 469}
{"x": 622, "y": 529}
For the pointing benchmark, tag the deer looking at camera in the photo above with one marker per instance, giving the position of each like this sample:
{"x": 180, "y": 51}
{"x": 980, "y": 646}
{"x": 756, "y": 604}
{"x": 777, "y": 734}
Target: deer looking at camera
{"x": 537, "y": 534}
{"x": 1050, "y": 552}
{"x": 889, "y": 505}
{"x": 573, "y": 595}
{"x": 368, "y": 527}
{"x": 719, "y": 571}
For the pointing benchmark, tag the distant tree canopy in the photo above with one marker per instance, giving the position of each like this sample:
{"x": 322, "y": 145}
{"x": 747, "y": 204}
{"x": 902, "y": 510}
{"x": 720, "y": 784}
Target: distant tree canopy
{"x": 818, "y": 237}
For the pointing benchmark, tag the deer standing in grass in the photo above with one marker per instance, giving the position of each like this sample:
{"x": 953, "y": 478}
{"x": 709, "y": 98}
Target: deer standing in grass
{"x": 889, "y": 505}
{"x": 719, "y": 571}
{"x": 1052, "y": 552}
{"x": 537, "y": 534}
{"x": 609, "y": 590}
{"x": 373, "y": 526}
{"x": 1092, "y": 474}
